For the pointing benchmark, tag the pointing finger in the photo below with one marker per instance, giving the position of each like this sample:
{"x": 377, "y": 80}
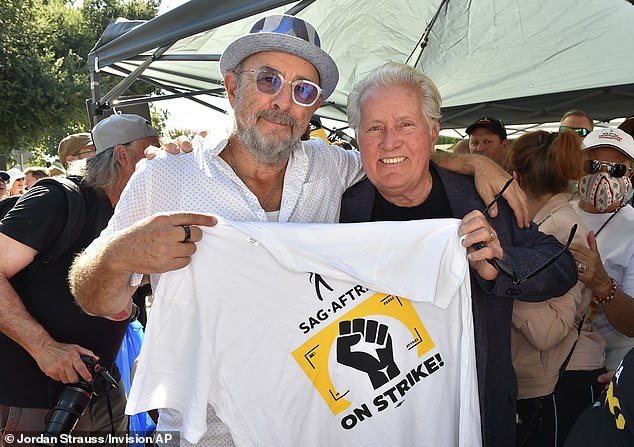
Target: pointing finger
{"x": 207, "y": 220}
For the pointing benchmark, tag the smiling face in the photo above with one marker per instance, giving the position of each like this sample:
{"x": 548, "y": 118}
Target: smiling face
{"x": 270, "y": 125}
{"x": 396, "y": 143}
{"x": 17, "y": 187}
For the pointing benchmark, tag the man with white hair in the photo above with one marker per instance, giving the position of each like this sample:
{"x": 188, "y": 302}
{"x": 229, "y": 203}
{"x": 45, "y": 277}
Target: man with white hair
{"x": 276, "y": 77}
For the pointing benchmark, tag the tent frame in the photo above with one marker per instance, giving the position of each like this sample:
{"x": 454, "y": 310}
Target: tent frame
{"x": 99, "y": 106}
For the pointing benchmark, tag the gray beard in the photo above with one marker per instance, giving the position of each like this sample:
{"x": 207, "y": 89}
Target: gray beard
{"x": 269, "y": 151}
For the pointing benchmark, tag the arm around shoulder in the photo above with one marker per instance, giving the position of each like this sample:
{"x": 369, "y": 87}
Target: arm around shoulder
{"x": 489, "y": 179}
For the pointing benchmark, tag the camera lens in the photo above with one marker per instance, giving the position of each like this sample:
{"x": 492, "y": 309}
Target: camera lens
{"x": 71, "y": 405}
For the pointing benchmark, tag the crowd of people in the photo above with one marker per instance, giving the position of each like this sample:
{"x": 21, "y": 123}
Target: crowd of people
{"x": 543, "y": 222}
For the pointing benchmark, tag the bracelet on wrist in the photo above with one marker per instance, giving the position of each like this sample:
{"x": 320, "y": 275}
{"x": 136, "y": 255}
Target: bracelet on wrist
{"x": 610, "y": 296}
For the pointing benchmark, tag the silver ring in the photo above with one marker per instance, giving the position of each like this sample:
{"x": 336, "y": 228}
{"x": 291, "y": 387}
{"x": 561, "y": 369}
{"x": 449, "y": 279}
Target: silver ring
{"x": 581, "y": 267}
{"x": 188, "y": 233}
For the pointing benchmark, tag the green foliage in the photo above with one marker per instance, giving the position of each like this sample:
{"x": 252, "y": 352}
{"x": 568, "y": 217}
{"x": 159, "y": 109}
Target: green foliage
{"x": 39, "y": 157}
{"x": 159, "y": 118}
{"x": 44, "y": 80}
{"x": 442, "y": 139}
{"x": 175, "y": 133}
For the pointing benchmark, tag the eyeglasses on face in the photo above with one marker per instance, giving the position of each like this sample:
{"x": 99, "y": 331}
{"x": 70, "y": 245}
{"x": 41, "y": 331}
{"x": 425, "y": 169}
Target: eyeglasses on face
{"x": 269, "y": 82}
{"x": 581, "y": 131}
{"x": 503, "y": 267}
{"x": 616, "y": 170}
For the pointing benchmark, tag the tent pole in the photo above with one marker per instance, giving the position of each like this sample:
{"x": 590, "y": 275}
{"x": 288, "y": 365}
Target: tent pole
{"x": 422, "y": 43}
{"x": 128, "y": 81}
{"x": 175, "y": 90}
{"x": 299, "y": 7}
{"x": 95, "y": 87}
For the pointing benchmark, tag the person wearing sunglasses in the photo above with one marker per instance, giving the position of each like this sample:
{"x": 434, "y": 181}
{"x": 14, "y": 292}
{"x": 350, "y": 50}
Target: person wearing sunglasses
{"x": 558, "y": 353}
{"x": 395, "y": 113}
{"x": 75, "y": 147}
{"x": 607, "y": 266}
{"x": 578, "y": 122}
{"x": 276, "y": 77}
{"x": 16, "y": 183}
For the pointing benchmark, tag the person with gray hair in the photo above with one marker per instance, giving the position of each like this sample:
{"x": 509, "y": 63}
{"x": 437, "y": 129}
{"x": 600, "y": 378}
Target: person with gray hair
{"x": 276, "y": 77}
{"x": 43, "y": 333}
{"x": 395, "y": 113}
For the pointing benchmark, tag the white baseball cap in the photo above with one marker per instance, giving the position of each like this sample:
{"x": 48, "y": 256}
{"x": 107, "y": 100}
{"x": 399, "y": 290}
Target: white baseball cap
{"x": 608, "y": 137}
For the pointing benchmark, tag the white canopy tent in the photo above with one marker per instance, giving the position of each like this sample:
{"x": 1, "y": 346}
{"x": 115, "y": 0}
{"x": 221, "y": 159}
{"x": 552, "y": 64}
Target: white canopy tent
{"x": 525, "y": 61}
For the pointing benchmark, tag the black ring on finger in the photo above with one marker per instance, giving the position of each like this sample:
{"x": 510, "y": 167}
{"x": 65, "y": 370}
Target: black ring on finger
{"x": 188, "y": 233}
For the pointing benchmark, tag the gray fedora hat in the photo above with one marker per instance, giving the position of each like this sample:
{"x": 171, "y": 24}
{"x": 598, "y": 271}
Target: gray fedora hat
{"x": 288, "y": 34}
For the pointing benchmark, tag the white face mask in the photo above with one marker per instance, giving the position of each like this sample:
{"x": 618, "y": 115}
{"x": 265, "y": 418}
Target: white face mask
{"x": 602, "y": 190}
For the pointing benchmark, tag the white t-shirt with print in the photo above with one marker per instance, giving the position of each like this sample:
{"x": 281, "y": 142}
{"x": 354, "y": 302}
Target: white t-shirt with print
{"x": 279, "y": 327}
{"x": 316, "y": 177}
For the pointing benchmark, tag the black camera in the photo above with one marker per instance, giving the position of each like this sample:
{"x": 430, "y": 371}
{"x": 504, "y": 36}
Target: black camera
{"x": 75, "y": 399}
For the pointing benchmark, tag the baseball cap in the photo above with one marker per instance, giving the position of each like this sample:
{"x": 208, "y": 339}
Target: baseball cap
{"x": 287, "y": 34}
{"x": 120, "y": 129}
{"x": 4, "y": 176}
{"x": 72, "y": 145}
{"x": 616, "y": 138}
{"x": 493, "y": 124}
{"x": 15, "y": 174}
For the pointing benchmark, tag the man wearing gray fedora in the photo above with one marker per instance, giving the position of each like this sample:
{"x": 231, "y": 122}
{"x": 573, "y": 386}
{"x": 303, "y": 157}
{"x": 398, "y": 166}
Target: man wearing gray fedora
{"x": 262, "y": 172}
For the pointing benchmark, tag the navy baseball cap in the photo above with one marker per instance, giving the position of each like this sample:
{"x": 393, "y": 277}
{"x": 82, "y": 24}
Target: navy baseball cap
{"x": 493, "y": 124}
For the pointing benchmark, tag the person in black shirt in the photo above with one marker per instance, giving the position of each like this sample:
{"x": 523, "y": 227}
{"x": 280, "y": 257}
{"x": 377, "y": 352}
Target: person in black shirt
{"x": 42, "y": 330}
{"x": 395, "y": 113}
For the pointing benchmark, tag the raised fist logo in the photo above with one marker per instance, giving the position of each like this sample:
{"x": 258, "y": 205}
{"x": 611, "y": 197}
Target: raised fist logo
{"x": 378, "y": 364}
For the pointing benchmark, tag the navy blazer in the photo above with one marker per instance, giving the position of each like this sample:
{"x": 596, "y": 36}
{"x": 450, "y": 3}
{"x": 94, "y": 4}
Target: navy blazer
{"x": 492, "y": 301}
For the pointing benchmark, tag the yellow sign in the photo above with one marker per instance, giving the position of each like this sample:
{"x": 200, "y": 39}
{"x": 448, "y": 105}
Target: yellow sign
{"x": 313, "y": 355}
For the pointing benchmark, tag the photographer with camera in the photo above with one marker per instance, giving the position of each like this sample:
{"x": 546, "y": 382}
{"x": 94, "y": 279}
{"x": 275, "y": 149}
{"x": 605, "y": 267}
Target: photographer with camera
{"x": 53, "y": 354}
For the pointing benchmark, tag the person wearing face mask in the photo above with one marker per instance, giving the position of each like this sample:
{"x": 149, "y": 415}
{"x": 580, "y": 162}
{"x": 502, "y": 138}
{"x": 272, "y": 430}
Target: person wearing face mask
{"x": 558, "y": 353}
{"x": 607, "y": 266}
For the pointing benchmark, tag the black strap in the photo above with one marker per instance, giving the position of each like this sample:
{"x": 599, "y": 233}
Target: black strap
{"x": 608, "y": 221}
{"x": 111, "y": 417}
{"x": 565, "y": 364}
{"x": 74, "y": 220}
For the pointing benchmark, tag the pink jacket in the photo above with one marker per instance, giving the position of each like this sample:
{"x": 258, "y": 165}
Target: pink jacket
{"x": 544, "y": 333}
